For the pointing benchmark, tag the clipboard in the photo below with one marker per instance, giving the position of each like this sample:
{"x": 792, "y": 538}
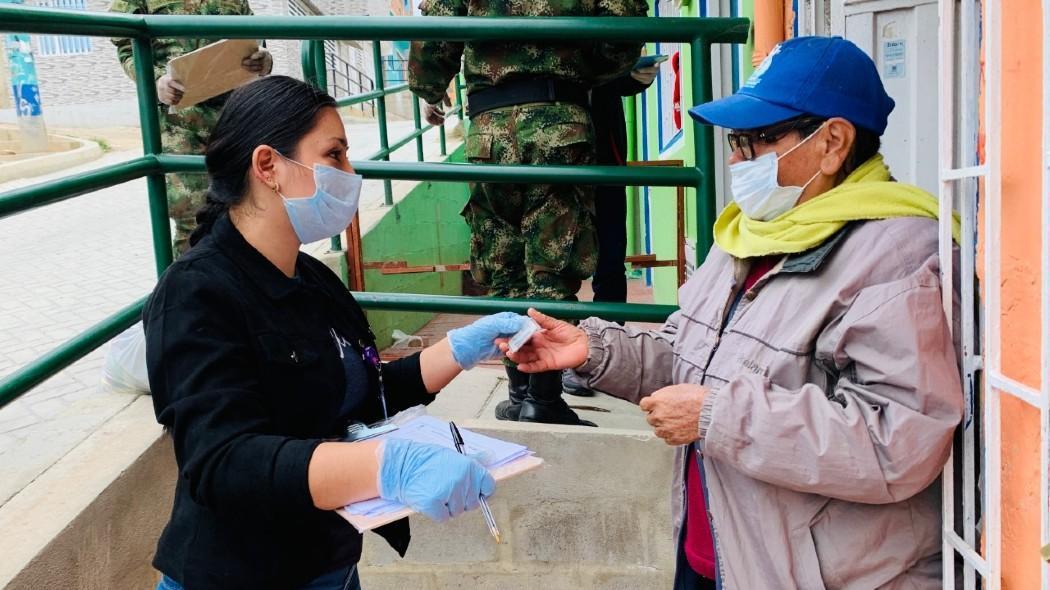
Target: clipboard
{"x": 367, "y": 523}
{"x": 212, "y": 70}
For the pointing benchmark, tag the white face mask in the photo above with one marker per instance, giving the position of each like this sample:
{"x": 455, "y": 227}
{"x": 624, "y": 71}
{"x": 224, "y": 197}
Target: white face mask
{"x": 756, "y": 189}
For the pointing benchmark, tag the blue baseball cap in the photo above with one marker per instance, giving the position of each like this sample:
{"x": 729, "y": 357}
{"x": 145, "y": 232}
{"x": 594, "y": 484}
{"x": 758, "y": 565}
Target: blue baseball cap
{"x": 822, "y": 76}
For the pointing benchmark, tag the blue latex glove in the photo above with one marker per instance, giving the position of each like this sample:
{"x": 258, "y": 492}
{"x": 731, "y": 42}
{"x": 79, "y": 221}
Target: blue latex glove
{"x": 474, "y": 343}
{"x": 432, "y": 479}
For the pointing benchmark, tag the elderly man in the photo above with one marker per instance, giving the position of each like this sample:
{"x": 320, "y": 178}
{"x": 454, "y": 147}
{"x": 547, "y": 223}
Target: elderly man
{"x": 810, "y": 378}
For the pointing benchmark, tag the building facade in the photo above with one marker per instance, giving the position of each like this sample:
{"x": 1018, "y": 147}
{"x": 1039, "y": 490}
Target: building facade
{"x": 83, "y": 85}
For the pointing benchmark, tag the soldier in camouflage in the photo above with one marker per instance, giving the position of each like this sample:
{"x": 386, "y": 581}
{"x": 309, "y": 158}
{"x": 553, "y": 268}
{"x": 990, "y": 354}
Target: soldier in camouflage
{"x": 185, "y": 132}
{"x": 528, "y": 104}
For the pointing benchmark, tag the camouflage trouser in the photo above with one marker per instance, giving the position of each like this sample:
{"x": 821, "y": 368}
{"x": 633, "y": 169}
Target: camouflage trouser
{"x": 186, "y": 133}
{"x": 532, "y": 240}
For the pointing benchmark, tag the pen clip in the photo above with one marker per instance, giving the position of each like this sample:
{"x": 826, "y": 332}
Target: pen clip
{"x": 457, "y": 438}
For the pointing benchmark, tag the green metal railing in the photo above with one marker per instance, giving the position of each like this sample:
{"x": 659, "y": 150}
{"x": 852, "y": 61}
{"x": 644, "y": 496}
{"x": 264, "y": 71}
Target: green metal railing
{"x": 699, "y": 34}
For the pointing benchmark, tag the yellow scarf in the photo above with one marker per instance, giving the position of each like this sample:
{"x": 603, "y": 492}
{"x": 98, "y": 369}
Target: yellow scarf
{"x": 867, "y": 193}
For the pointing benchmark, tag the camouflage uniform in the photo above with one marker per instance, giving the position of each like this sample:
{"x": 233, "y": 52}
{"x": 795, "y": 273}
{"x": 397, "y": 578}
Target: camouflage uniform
{"x": 534, "y": 241}
{"x": 185, "y": 132}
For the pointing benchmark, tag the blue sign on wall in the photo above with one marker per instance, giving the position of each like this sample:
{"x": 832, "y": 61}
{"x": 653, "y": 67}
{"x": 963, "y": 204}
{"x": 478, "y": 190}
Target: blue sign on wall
{"x": 27, "y": 100}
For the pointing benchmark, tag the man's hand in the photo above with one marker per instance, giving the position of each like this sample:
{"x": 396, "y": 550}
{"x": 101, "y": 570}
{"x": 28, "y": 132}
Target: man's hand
{"x": 169, "y": 91}
{"x": 646, "y": 75}
{"x": 674, "y": 412}
{"x": 560, "y": 345}
{"x": 435, "y": 113}
{"x": 260, "y": 62}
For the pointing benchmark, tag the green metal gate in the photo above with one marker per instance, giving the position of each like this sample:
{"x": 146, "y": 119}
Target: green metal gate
{"x": 698, "y": 33}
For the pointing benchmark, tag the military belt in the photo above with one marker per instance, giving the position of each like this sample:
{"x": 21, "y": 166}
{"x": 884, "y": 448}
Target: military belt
{"x": 524, "y": 92}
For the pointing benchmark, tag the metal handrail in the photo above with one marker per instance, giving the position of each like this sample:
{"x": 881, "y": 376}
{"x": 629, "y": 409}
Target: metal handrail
{"x": 154, "y": 164}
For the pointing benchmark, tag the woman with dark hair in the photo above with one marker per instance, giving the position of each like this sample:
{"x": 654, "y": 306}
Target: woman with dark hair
{"x": 260, "y": 359}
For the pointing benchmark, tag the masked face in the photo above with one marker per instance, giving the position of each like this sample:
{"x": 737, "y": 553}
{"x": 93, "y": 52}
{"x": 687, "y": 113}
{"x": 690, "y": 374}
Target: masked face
{"x": 330, "y": 209}
{"x": 756, "y": 189}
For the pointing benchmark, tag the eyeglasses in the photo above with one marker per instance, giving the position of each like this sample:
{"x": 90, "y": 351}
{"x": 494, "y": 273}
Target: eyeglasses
{"x": 745, "y": 141}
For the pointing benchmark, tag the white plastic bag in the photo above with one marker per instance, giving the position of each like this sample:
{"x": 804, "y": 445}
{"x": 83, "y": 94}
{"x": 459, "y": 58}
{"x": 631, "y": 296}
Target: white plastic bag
{"x": 125, "y": 368}
{"x": 410, "y": 340}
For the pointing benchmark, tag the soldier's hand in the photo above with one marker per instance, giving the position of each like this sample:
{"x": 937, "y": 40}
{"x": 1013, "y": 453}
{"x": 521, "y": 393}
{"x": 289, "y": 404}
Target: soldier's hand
{"x": 646, "y": 75}
{"x": 260, "y": 62}
{"x": 435, "y": 113}
{"x": 169, "y": 91}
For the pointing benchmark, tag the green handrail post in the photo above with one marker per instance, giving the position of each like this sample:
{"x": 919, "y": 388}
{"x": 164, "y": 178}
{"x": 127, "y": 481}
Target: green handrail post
{"x": 308, "y": 58}
{"x": 149, "y": 117}
{"x": 441, "y": 138}
{"x": 459, "y": 96}
{"x": 320, "y": 65}
{"x": 698, "y": 33}
{"x": 700, "y": 56}
{"x": 418, "y": 124}
{"x": 306, "y": 62}
{"x": 384, "y": 139}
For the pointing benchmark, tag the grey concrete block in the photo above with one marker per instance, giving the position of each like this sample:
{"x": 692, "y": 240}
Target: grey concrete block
{"x": 463, "y": 540}
{"x": 651, "y": 578}
{"x": 387, "y": 579}
{"x": 529, "y": 579}
{"x": 589, "y": 531}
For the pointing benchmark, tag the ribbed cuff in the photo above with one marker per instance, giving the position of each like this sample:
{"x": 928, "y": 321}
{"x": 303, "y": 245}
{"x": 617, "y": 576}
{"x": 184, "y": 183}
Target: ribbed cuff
{"x": 595, "y": 353}
{"x": 706, "y": 414}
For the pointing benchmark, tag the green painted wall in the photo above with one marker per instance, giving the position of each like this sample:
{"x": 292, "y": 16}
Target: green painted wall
{"x": 424, "y": 228}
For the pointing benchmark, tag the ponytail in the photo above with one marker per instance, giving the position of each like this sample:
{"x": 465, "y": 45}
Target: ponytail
{"x": 207, "y": 215}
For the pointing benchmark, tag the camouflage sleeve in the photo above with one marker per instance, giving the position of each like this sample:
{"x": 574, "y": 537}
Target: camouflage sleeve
{"x": 433, "y": 64}
{"x": 611, "y": 60}
{"x": 124, "y": 51}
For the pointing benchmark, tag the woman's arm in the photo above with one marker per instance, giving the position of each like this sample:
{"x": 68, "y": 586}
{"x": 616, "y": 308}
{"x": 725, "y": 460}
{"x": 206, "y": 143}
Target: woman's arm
{"x": 342, "y": 473}
{"x": 437, "y": 366}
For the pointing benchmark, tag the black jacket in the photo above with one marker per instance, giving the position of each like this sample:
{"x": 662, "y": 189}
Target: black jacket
{"x": 247, "y": 378}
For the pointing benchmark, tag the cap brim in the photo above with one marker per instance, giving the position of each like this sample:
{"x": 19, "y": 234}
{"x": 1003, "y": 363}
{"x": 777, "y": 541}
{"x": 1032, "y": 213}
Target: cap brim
{"x": 741, "y": 111}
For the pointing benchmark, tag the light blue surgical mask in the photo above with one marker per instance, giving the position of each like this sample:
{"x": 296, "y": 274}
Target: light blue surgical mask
{"x": 756, "y": 189}
{"x": 330, "y": 209}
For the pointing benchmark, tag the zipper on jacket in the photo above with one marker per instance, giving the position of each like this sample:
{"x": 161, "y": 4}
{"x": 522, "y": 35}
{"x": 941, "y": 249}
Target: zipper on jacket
{"x": 719, "y": 567}
{"x": 729, "y": 310}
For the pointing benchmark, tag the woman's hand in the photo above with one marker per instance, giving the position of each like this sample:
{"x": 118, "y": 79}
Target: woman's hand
{"x": 560, "y": 345}
{"x": 476, "y": 342}
{"x": 431, "y": 479}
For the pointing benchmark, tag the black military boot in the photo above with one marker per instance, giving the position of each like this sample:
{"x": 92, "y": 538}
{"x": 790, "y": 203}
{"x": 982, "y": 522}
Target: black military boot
{"x": 544, "y": 402}
{"x": 518, "y": 384}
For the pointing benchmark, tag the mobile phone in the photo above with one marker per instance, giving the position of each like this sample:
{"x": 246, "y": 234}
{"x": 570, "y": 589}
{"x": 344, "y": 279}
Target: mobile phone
{"x": 650, "y": 60}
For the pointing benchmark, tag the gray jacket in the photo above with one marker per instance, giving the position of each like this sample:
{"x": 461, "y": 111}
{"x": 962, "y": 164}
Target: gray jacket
{"x": 835, "y": 392}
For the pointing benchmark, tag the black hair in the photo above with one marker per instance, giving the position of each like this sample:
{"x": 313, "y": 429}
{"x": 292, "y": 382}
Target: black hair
{"x": 865, "y": 145}
{"x": 276, "y": 111}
